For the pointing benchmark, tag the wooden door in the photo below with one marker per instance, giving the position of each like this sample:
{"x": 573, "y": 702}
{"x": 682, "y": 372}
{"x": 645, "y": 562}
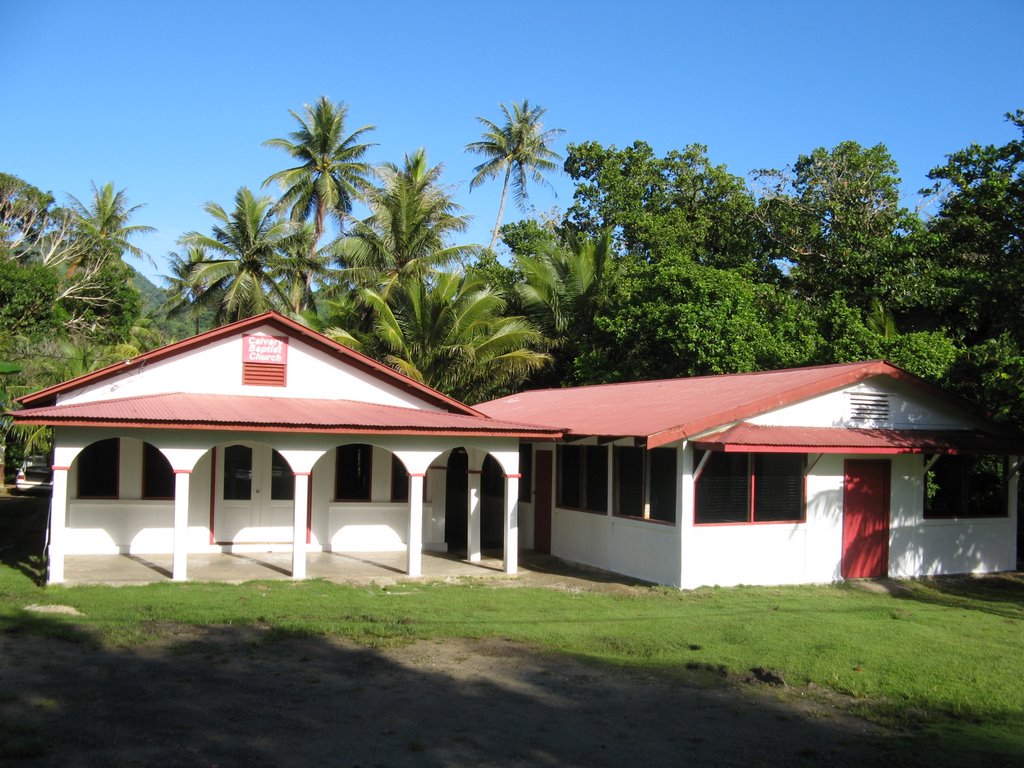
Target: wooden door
{"x": 866, "y": 519}
{"x": 542, "y": 503}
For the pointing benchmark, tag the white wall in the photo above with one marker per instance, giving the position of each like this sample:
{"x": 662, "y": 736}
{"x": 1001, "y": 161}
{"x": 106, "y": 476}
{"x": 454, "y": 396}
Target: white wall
{"x": 216, "y": 369}
{"x": 919, "y": 547}
{"x": 788, "y": 553}
{"x": 909, "y": 407}
{"x": 130, "y": 524}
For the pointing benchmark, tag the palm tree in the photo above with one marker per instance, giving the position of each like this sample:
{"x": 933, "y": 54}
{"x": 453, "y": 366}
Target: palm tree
{"x": 450, "y": 334}
{"x": 407, "y": 233}
{"x": 519, "y": 148}
{"x": 183, "y": 289}
{"x": 103, "y": 225}
{"x": 561, "y": 292}
{"x": 248, "y": 240}
{"x": 331, "y": 172}
{"x": 302, "y": 266}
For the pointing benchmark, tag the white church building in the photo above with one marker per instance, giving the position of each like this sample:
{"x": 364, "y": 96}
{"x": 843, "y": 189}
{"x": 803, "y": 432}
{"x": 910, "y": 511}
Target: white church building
{"x": 264, "y": 435}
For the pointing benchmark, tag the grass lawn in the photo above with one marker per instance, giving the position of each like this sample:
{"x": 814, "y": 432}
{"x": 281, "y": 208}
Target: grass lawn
{"x": 939, "y": 659}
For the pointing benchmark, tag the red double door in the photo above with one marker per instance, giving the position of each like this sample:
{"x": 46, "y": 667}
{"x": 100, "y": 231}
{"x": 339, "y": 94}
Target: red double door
{"x": 866, "y": 487}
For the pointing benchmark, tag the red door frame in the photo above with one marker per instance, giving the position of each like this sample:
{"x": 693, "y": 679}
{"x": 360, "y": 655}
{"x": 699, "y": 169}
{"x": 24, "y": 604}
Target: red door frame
{"x": 542, "y": 502}
{"x": 866, "y": 509}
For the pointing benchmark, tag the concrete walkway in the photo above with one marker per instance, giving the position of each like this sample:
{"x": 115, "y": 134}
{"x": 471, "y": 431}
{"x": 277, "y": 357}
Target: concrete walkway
{"x": 351, "y": 567}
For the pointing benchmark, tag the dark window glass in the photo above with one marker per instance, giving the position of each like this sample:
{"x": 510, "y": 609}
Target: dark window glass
{"x": 282, "y": 479}
{"x": 583, "y": 477}
{"x": 569, "y": 469}
{"x": 157, "y": 475}
{"x": 596, "y": 460}
{"x": 399, "y": 480}
{"x": 98, "y": 470}
{"x": 663, "y": 484}
{"x": 526, "y": 470}
{"x": 778, "y": 487}
{"x": 723, "y": 490}
{"x": 353, "y": 472}
{"x": 629, "y": 481}
{"x": 237, "y": 473}
{"x": 966, "y": 486}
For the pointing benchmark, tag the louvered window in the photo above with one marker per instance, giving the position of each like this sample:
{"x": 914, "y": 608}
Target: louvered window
{"x": 264, "y": 374}
{"x": 869, "y": 406}
{"x": 751, "y": 488}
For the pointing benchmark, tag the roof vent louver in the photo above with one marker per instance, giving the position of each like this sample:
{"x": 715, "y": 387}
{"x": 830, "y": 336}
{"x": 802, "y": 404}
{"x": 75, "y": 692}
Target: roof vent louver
{"x": 869, "y": 406}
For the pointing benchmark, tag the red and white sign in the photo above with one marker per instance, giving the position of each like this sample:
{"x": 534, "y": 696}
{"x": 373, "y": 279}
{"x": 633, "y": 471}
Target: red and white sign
{"x": 260, "y": 348}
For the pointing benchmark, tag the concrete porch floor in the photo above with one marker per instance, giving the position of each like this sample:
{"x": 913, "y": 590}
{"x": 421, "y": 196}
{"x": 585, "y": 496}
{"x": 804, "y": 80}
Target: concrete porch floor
{"x": 347, "y": 567}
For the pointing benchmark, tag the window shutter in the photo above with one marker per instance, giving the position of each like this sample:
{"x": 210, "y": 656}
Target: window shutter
{"x": 264, "y": 374}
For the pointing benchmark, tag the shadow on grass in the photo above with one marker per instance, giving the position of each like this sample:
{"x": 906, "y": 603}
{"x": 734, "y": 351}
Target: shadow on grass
{"x": 23, "y": 534}
{"x": 1000, "y": 594}
{"x": 249, "y": 695}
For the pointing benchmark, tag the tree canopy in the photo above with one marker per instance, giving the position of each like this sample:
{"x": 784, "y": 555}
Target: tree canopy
{"x": 662, "y": 265}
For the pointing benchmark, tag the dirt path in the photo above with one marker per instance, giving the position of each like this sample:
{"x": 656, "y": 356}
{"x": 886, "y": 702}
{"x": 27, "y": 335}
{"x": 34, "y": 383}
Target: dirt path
{"x": 223, "y": 697}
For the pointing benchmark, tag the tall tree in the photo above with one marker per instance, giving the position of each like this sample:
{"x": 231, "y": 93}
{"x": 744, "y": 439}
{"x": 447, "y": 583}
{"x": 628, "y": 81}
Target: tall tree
{"x": 978, "y": 236}
{"x": 451, "y": 333}
{"x": 24, "y": 216}
{"x": 103, "y": 225}
{"x": 672, "y": 317}
{"x": 409, "y": 230}
{"x": 836, "y": 218}
{"x": 331, "y": 172}
{"x": 248, "y": 241}
{"x": 681, "y": 204}
{"x": 563, "y": 288}
{"x": 184, "y": 289}
{"x": 517, "y": 149}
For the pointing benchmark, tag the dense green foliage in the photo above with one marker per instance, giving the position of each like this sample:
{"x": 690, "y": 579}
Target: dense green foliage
{"x": 661, "y": 266}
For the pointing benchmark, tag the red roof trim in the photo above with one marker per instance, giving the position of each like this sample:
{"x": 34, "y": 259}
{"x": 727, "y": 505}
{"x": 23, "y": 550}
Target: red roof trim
{"x": 272, "y": 414}
{"x": 545, "y": 436}
{"x": 845, "y": 375}
{"x": 340, "y": 351}
{"x": 749, "y": 438}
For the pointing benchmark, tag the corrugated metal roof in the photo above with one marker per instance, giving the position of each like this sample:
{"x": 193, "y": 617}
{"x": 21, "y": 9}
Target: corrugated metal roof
{"x": 668, "y": 410}
{"x": 754, "y": 437}
{"x": 190, "y": 411}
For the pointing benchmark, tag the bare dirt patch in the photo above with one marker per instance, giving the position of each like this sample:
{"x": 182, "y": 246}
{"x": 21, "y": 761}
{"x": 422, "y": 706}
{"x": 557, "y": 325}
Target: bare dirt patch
{"x": 226, "y": 696}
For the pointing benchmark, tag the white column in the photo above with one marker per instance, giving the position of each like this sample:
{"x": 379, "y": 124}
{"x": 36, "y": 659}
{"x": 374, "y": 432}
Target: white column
{"x": 473, "y": 517}
{"x": 299, "y": 525}
{"x": 58, "y": 518}
{"x": 512, "y": 523}
{"x": 1012, "y": 490}
{"x": 415, "y": 536}
{"x": 180, "y": 558}
{"x": 684, "y": 512}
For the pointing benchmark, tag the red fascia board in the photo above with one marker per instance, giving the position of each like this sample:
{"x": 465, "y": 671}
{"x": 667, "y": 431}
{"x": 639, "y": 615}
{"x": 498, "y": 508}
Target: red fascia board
{"x": 752, "y": 448}
{"x": 841, "y": 379}
{"x": 299, "y": 428}
{"x": 49, "y": 395}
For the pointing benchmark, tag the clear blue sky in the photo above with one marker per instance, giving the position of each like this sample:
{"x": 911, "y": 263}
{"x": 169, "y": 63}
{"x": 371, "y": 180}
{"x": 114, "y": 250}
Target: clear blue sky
{"x": 172, "y": 100}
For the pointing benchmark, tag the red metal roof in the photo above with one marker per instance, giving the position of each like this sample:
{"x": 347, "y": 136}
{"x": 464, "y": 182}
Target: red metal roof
{"x": 272, "y": 414}
{"x": 753, "y": 437}
{"x": 49, "y": 395}
{"x": 668, "y": 410}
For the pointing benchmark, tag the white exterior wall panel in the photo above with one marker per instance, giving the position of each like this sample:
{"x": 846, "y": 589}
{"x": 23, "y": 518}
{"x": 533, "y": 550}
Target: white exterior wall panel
{"x": 216, "y": 369}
